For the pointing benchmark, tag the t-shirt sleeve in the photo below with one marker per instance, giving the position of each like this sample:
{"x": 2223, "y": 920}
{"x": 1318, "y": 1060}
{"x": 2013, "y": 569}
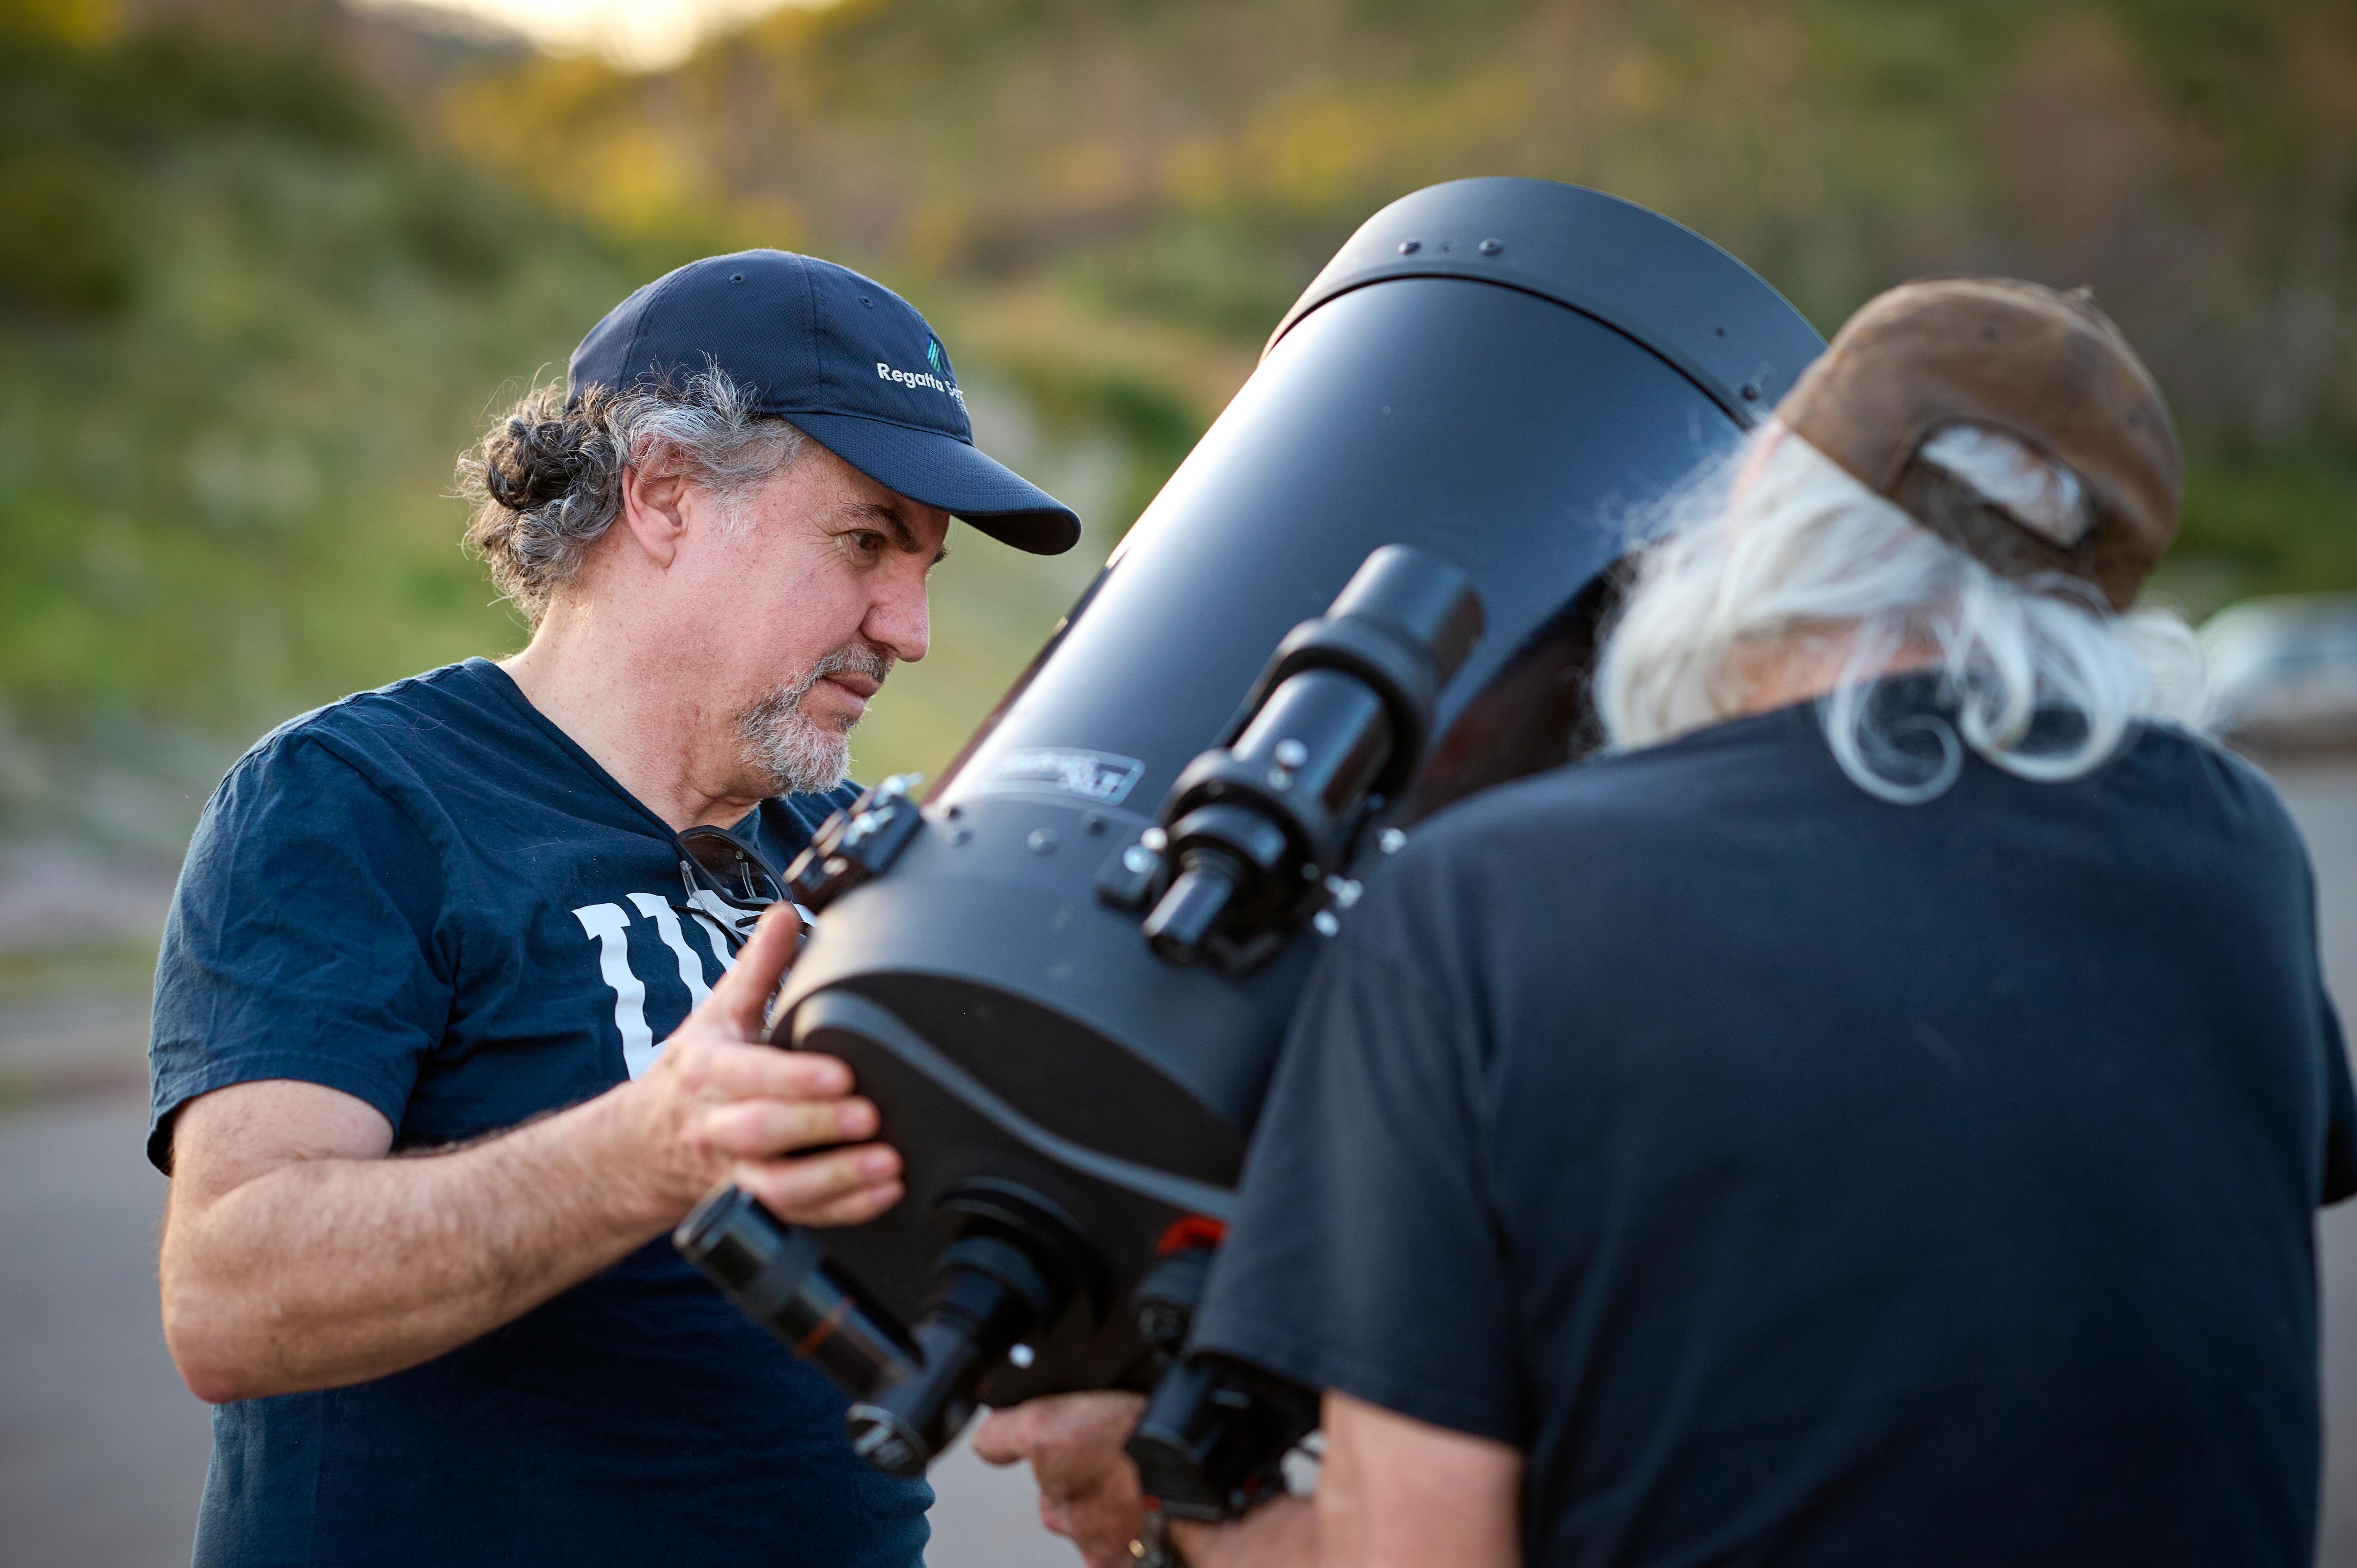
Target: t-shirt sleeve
{"x": 301, "y": 943}
{"x": 1365, "y": 1256}
{"x": 2339, "y": 1112}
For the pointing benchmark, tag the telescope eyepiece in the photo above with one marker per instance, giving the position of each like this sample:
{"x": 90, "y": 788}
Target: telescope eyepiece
{"x": 989, "y": 1293}
{"x": 777, "y": 1275}
{"x": 1436, "y": 609}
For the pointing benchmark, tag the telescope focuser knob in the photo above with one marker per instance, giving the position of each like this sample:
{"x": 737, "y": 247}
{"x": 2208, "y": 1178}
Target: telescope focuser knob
{"x": 856, "y": 843}
{"x": 1167, "y": 1297}
{"x": 1182, "y": 923}
{"x": 1226, "y": 854}
{"x": 1212, "y": 1442}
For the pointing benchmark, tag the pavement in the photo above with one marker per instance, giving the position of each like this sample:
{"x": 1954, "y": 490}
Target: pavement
{"x": 102, "y": 1451}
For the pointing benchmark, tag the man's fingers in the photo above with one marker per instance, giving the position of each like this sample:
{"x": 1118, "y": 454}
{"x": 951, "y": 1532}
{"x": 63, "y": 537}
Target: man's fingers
{"x": 999, "y": 1439}
{"x": 856, "y": 1208}
{"x": 734, "y": 1071}
{"x": 818, "y": 1189}
{"x": 761, "y": 1128}
{"x": 1014, "y": 1434}
{"x": 740, "y": 999}
{"x": 1089, "y": 1428}
{"x": 1088, "y": 1488}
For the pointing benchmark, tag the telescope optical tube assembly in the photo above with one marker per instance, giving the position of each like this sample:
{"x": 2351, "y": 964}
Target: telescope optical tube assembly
{"x": 1371, "y": 589}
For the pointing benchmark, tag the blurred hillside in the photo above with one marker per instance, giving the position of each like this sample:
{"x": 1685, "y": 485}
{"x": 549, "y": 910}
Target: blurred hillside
{"x": 266, "y": 265}
{"x": 2194, "y": 160}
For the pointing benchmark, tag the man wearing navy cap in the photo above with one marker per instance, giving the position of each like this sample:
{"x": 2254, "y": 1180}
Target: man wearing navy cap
{"x": 457, "y": 1010}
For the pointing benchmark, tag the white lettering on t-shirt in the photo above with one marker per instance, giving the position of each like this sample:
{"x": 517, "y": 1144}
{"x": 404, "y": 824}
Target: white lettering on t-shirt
{"x": 718, "y": 936}
{"x": 729, "y": 923}
{"x": 611, "y": 928}
{"x": 691, "y": 968}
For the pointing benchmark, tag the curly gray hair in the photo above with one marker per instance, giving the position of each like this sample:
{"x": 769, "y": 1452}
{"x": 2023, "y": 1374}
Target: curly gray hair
{"x": 546, "y": 482}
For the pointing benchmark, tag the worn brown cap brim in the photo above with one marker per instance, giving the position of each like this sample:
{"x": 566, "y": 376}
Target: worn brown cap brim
{"x": 2047, "y": 368}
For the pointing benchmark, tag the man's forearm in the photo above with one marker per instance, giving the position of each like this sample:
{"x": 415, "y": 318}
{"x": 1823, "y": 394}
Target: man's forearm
{"x": 1281, "y": 1534}
{"x": 323, "y": 1272}
{"x": 297, "y": 1255}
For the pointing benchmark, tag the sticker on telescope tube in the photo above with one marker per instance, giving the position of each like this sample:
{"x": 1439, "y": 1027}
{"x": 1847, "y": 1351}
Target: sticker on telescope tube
{"x": 1097, "y": 777}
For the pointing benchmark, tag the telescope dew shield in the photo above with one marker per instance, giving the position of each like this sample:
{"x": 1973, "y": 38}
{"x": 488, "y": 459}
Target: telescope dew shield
{"x": 1490, "y": 375}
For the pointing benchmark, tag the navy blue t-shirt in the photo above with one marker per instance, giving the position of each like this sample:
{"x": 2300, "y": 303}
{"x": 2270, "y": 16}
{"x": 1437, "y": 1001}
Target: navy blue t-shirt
{"x": 1800, "y": 1179}
{"x": 429, "y": 897}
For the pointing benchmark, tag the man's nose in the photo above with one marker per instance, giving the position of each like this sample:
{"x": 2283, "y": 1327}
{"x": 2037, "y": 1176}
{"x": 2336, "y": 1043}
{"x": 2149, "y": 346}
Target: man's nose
{"x": 899, "y": 618}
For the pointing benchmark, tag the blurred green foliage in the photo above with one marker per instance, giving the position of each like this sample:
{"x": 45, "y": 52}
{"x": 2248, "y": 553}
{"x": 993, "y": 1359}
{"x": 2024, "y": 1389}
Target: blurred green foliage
{"x": 267, "y": 265}
{"x": 249, "y": 319}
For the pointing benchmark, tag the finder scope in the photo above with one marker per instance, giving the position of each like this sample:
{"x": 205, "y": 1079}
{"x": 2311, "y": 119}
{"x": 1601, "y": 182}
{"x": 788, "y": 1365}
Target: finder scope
{"x": 1372, "y": 589}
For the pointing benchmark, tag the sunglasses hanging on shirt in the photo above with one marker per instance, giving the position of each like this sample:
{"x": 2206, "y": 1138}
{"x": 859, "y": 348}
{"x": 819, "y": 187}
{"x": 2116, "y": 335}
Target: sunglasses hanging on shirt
{"x": 723, "y": 864}
{"x": 729, "y": 882}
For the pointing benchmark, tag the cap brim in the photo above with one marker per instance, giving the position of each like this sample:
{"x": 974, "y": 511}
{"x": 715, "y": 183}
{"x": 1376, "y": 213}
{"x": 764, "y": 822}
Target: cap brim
{"x": 942, "y": 471}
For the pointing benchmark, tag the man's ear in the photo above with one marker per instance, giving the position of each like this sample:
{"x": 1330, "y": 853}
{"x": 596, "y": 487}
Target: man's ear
{"x": 652, "y": 511}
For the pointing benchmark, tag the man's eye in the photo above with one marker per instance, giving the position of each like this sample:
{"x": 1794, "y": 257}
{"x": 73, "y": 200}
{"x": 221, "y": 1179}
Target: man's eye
{"x": 871, "y": 543}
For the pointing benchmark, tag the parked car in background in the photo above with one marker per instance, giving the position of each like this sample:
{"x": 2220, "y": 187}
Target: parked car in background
{"x": 2282, "y": 673}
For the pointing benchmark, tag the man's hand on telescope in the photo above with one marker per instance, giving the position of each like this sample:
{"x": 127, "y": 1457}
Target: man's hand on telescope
{"x": 297, "y": 1255}
{"x": 718, "y": 1105}
{"x": 1393, "y": 1492}
{"x": 1089, "y": 1491}
{"x": 1088, "y": 1488}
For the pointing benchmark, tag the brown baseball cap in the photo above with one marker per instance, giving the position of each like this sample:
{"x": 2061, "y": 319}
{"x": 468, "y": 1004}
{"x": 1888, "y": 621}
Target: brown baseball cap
{"x": 2047, "y": 368}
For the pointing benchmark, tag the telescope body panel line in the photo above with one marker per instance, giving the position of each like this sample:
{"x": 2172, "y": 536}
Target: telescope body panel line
{"x": 1633, "y": 269}
{"x": 846, "y": 1010}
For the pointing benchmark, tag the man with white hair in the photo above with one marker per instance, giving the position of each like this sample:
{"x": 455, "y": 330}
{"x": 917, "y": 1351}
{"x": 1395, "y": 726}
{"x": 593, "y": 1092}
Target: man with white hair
{"x": 427, "y": 1078}
{"x": 1873, "y": 1116}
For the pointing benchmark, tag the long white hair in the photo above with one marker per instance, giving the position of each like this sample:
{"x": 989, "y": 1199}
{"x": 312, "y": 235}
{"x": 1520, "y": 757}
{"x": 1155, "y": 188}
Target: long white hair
{"x": 1777, "y": 550}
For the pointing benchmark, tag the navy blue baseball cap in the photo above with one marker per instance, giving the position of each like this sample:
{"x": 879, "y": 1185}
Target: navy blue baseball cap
{"x": 846, "y": 359}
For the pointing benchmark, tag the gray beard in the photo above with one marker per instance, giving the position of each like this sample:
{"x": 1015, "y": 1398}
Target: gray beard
{"x": 791, "y": 752}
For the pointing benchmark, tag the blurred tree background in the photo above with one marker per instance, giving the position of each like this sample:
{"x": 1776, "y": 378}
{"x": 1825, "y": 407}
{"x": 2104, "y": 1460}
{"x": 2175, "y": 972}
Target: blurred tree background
{"x": 267, "y": 265}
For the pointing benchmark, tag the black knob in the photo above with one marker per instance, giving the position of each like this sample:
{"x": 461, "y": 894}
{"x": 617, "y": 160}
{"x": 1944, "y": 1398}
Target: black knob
{"x": 1167, "y": 1297}
{"x": 1191, "y": 911}
{"x": 1213, "y": 1438}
